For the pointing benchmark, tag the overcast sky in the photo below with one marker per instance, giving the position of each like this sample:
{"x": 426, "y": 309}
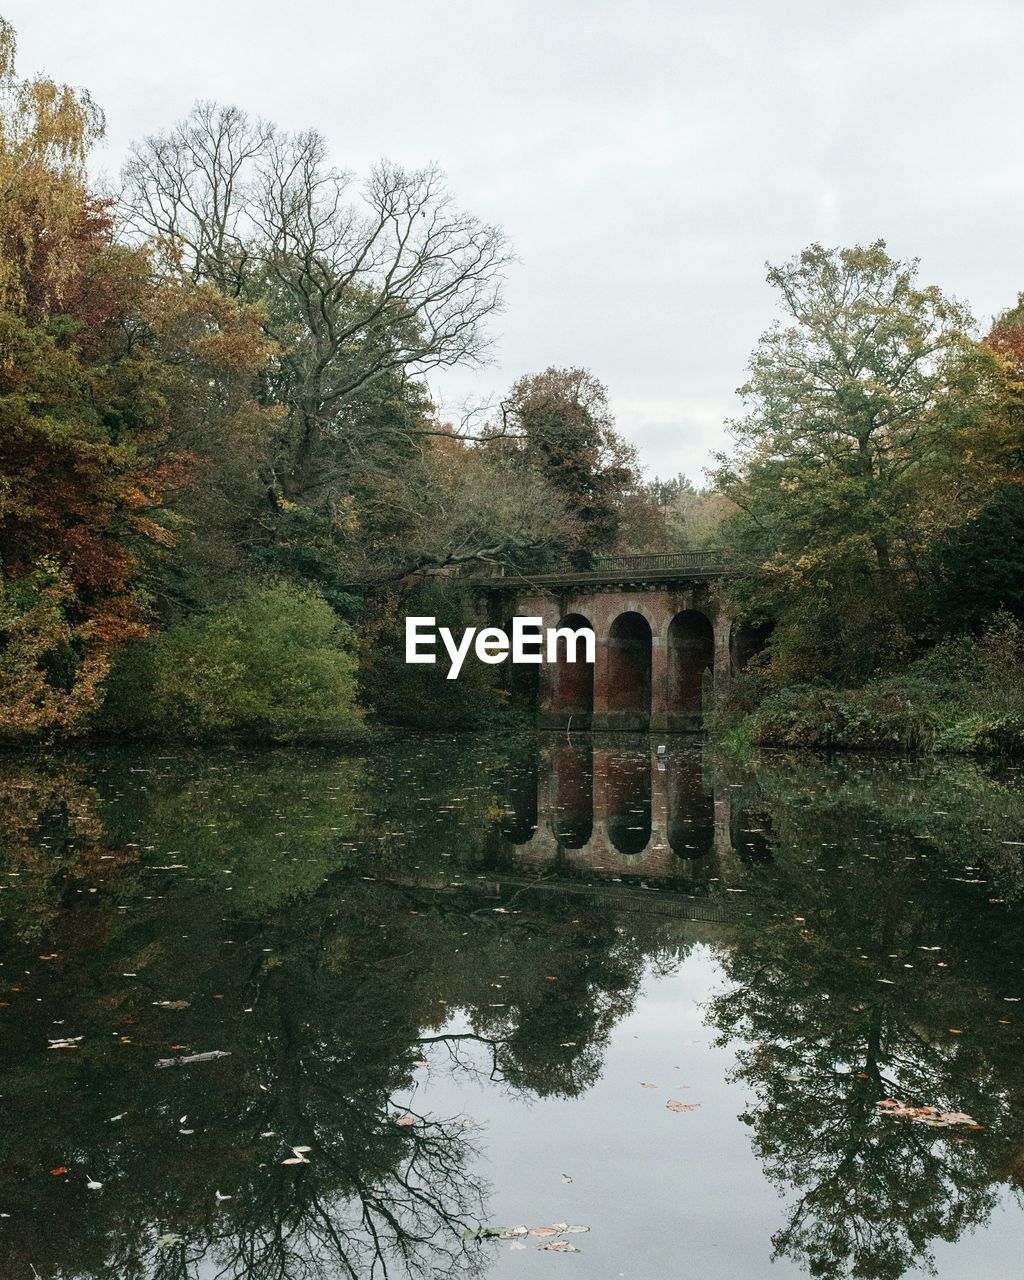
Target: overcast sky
{"x": 646, "y": 157}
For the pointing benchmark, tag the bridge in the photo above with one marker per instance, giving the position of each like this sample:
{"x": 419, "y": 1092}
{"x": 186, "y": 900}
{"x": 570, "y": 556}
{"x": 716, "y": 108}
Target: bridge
{"x": 666, "y": 636}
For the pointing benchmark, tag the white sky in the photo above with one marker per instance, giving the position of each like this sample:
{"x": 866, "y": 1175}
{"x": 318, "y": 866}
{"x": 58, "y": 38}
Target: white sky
{"x": 646, "y": 157}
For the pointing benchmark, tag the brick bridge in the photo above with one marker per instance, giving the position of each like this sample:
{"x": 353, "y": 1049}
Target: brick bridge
{"x": 665, "y": 630}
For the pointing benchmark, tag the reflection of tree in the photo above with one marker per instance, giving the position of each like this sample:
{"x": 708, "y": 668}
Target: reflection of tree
{"x": 837, "y": 1005}
{"x": 326, "y": 986}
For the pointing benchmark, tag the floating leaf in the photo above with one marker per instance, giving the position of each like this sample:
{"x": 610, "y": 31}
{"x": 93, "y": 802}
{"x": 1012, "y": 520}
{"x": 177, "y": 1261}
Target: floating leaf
{"x": 674, "y": 1105}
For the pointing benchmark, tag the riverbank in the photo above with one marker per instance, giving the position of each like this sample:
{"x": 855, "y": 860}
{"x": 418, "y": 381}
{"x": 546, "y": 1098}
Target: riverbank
{"x": 964, "y": 697}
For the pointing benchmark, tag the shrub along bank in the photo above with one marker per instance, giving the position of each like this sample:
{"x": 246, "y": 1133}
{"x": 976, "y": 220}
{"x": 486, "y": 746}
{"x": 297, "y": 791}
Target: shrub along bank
{"x": 966, "y": 696}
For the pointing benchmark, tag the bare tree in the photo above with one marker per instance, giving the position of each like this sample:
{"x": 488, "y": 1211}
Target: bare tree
{"x": 358, "y": 283}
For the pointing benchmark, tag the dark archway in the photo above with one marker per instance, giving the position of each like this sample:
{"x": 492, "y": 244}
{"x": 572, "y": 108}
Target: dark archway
{"x": 572, "y": 791}
{"x": 691, "y": 657}
{"x": 628, "y": 801}
{"x": 745, "y": 640}
{"x": 691, "y": 807}
{"x": 521, "y": 680}
{"x": 572, "y": 683}
{"x": 629, "y": 672}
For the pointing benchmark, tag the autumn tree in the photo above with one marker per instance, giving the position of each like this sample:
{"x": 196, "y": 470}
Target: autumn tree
{"x": 94, "y": 349}
{"x": 861, "y": 408}
{"x": 977, "y": 566}
{"x": 363, "y": 287}
{"x": 568, "y": 435}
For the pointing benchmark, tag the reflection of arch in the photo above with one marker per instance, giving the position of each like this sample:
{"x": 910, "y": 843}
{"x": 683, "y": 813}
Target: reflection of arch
{"x": 629, "y": 671}
{"x": 572, "y": 770}
{"x": 519, "y": 814}
{"x": 745, "y": 640}
{"x": 690, "y": 808}
{"x": 572, "y": 691}
{"x": 628, "y": 803}
{"x": 691, "y": 653}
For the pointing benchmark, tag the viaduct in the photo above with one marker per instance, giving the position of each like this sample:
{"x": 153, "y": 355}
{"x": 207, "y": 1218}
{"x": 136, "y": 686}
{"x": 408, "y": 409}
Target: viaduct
{"x": 666, "y": 638}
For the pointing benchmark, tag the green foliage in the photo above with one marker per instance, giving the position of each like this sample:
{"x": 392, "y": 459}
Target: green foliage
{"x": 421, "y": 695}
{"x": 966, "y": 696}
{"x": 275, "y": 665}
{"x": 979, "y": 567}
{"x": 861, "y": 408}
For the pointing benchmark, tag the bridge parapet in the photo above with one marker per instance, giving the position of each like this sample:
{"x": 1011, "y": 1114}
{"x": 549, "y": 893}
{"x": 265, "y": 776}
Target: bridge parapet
{"x": 653, "y": 567}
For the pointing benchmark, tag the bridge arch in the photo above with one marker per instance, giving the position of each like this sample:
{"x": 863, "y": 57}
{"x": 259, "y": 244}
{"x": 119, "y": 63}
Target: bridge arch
{"x": 629, "y": 671}
{"x": 691, "y": 654}
{"x": 572, "y": 683}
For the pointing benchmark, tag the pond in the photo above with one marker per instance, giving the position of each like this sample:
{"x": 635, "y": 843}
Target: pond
{"x": 452, "y": 998}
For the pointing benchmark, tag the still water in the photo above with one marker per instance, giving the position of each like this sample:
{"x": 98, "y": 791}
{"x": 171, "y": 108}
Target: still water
{"x": 460, "y": 986}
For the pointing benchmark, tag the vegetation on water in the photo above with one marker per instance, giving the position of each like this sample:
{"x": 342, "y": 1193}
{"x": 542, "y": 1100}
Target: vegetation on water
{"x": 214, "y": 418}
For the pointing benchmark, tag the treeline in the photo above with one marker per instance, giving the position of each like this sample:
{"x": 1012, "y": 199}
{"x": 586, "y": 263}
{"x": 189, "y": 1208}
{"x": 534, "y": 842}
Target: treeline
{"x": 222, "y": 480}
{"x": 878, "y": 477}
{"x": 223, "y": 483}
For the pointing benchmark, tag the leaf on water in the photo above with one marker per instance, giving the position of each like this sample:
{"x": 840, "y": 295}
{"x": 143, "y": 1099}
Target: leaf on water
{"x": 93, "y": 1185}
{"x": 566, "y": 1178}
{"x": 172, "y": 1004}
{"x": 574, "y": 1228}
{"x": 295, "y": 1160}
{"x": 514, "y": 1233}
{"x": 543, "y": 1231}
{"x": 558, "y": 1246}
{"x": 931, "y": 1116}
{"x": 168, "y": 1241}
{"x": 646, "y": 1084}
{"x": 404, "y": 1120}
{"x": 57, "y": 1172}
{"x": 674, "y": 1104}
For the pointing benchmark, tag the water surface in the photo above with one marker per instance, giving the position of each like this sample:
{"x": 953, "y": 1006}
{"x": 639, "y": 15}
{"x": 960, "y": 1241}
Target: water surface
{"x": 457, "y": 984}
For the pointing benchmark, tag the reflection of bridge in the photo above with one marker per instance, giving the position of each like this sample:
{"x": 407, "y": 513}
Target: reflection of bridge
{"x": 614, "y": 813}
{"x": 665, "y": 637}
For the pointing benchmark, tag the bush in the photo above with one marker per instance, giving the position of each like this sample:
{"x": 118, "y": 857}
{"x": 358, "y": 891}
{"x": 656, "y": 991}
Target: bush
{"x": 966, "y": 695}
{"x": 274, "y": 665}
{"x": 421, "y": 696}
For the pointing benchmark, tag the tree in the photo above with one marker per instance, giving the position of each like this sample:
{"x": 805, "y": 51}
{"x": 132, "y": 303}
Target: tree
{"x": 104, "y": 372}
{"x": 568, "y": 435}
{"x": 391, "y": 280}
{"x": 977, "y": 567}
{"x": 860, "y": 409}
